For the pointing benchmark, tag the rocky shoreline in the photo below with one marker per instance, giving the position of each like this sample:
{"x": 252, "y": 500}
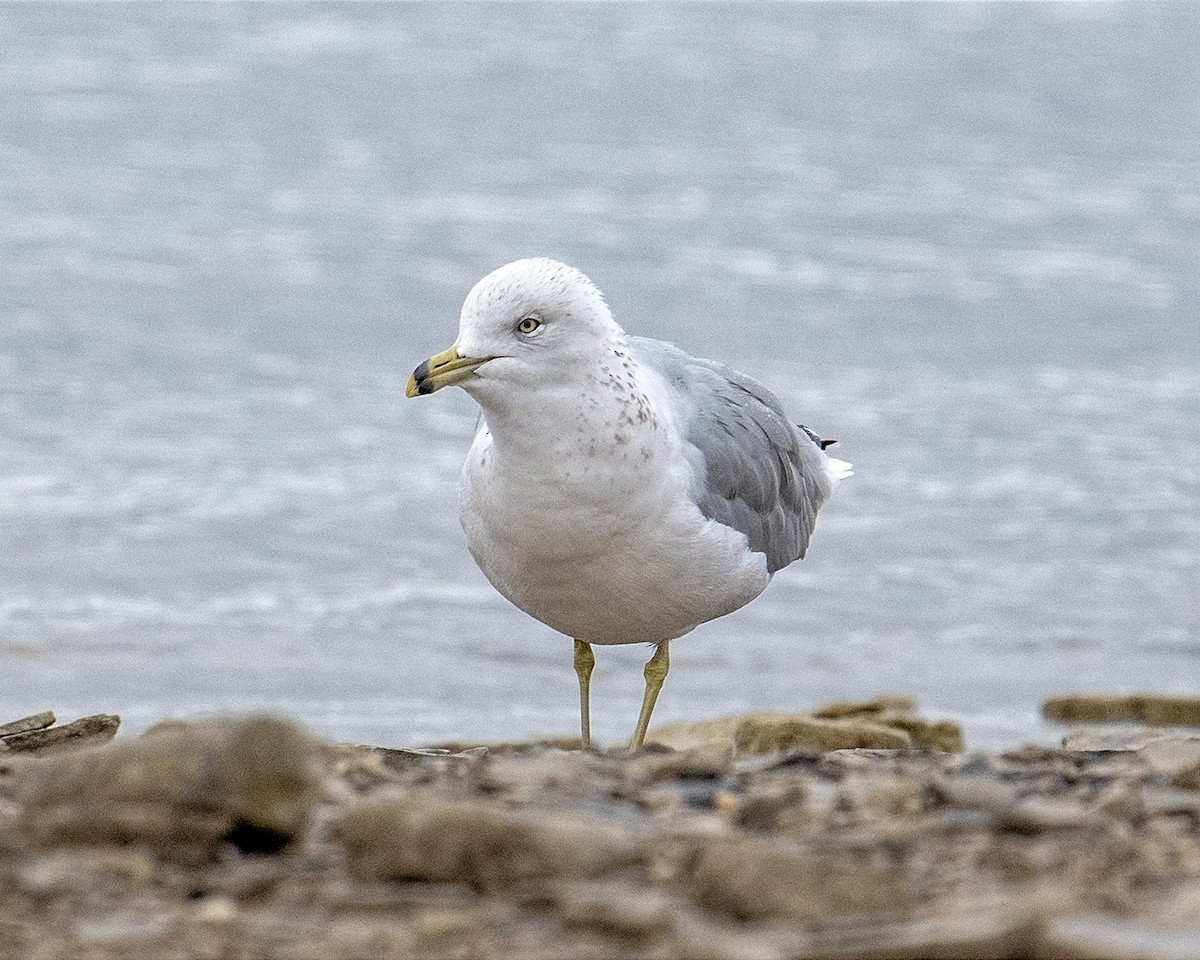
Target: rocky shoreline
{"x": 856, "y": 830}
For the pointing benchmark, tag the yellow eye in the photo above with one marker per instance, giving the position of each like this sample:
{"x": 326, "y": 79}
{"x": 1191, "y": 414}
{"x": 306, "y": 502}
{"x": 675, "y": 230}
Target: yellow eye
{"x": 529, "y": 325}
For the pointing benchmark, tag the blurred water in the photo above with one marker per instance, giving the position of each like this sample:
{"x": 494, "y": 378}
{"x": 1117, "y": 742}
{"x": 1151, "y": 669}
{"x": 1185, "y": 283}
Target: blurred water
{"x": 963, "y": 238}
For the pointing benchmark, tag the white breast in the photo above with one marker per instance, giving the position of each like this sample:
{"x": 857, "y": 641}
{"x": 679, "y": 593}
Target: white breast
{"x": 591, "y": 529}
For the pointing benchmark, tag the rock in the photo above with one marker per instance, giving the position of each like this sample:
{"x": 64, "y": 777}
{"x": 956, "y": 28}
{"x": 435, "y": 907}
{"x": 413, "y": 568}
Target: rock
{"x": 181, "y": 788}
{"x": 1188, "y": 778}
{"x": 37, "y": 721}
{"x": 765, "y": 733}
{"x": 758, "y": 879}
{"x": 691, "y": 735}
{"x": 1104, "y": 937}
{"x": 86, "y": 870}
{"x": 885, "y": 723}
{"x": 710, "y": 761}
{"x": 1039, "y": 814}
{"x": 840, "y": 709}
{"x": 477, "y": 843}
{"x": 944, "y": 735}
{"x": 84, "y": 732}
{"x": 989, "y": 928}
{"x": 774, "y": 807}
{"x": 1152, "y": 709}
{"x": 1111, "y": 739}
{"x": 504, "y": 747}
{"x": 619, "y": 910}
{"x": 883, "y": 794}
{"x": 1172, "y": 755}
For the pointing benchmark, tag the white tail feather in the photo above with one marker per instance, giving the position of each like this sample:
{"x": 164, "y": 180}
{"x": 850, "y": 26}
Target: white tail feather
{"x": 838, "y": 470}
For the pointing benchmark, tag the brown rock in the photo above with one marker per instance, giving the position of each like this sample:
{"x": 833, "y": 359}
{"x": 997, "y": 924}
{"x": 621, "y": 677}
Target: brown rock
{"x": 1104, "y": 937}
{"x": 885, "y": 723}
{"x": 944, "y": 735}
{"x": 839, "y": 709}
{"x": 1188, "y": 778}
{"x": 35, "y": 722}
{"x": 477, "y": 843}
{"x": 710, "y": 761}
{"x": 758, "y": 879}
{"x": 1172, "y": 755}
{"x": 1039, "y": 814}
{"x": 1149, "y": 708}
{"x": 773, "y": 807}
{"x": 84, "y": 732}
{"x": 618, "y": 910}
{"x": 765, "y": 733}
{"x": 181, "y": 789}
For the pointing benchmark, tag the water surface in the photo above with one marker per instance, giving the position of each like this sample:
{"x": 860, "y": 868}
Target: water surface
{"x": 965, "y": 239}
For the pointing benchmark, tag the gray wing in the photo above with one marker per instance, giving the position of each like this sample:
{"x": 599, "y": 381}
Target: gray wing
{"x": 755, "y": 471}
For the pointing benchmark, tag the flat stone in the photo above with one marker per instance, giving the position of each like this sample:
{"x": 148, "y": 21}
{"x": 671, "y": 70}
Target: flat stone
{"x": 858, "y": 708}
{"x": 35, "y": 722}
{"x": 944, "y": 735}
{"x": 84, "y": 732}
{"x": 765, "y": 733}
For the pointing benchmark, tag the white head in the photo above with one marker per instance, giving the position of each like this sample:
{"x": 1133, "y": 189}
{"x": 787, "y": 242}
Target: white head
{"x": 529, "y": 324}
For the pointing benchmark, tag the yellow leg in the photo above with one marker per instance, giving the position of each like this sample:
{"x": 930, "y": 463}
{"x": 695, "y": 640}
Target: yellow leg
{"x": 584, "y": 661}
{"x": 656, "y": 673}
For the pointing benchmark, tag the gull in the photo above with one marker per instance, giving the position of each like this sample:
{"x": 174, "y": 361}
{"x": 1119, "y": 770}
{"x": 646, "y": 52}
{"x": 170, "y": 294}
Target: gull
{"x": 618, "y": 489}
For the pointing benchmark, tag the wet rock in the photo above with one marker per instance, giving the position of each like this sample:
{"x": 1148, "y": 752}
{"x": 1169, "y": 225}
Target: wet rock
{"x": 1151, "y": 709}
{"x": 182, "y": 789}
{"x": 477, "y": 843}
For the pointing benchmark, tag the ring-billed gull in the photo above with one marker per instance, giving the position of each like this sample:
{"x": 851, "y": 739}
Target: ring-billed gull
{"x": 619, "y": 490}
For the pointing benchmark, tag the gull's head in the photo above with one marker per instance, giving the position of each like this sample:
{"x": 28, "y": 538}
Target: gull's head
{"x": 524, "y": 325}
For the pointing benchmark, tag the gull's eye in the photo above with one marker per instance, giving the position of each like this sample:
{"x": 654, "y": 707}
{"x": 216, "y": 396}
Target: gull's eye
{"x": 529, "y": 326}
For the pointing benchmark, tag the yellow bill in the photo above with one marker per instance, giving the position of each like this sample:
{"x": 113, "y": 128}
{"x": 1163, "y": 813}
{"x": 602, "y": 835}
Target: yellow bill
{"x": 442, "y": 370}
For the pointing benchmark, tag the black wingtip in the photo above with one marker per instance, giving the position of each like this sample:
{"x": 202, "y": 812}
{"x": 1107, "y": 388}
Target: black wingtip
{"x": 816, "y": 438}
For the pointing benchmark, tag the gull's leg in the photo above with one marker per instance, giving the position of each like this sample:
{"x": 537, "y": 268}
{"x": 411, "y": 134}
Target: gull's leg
{"x": 656, "y": 673}
{"x": 584, "y": 661}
